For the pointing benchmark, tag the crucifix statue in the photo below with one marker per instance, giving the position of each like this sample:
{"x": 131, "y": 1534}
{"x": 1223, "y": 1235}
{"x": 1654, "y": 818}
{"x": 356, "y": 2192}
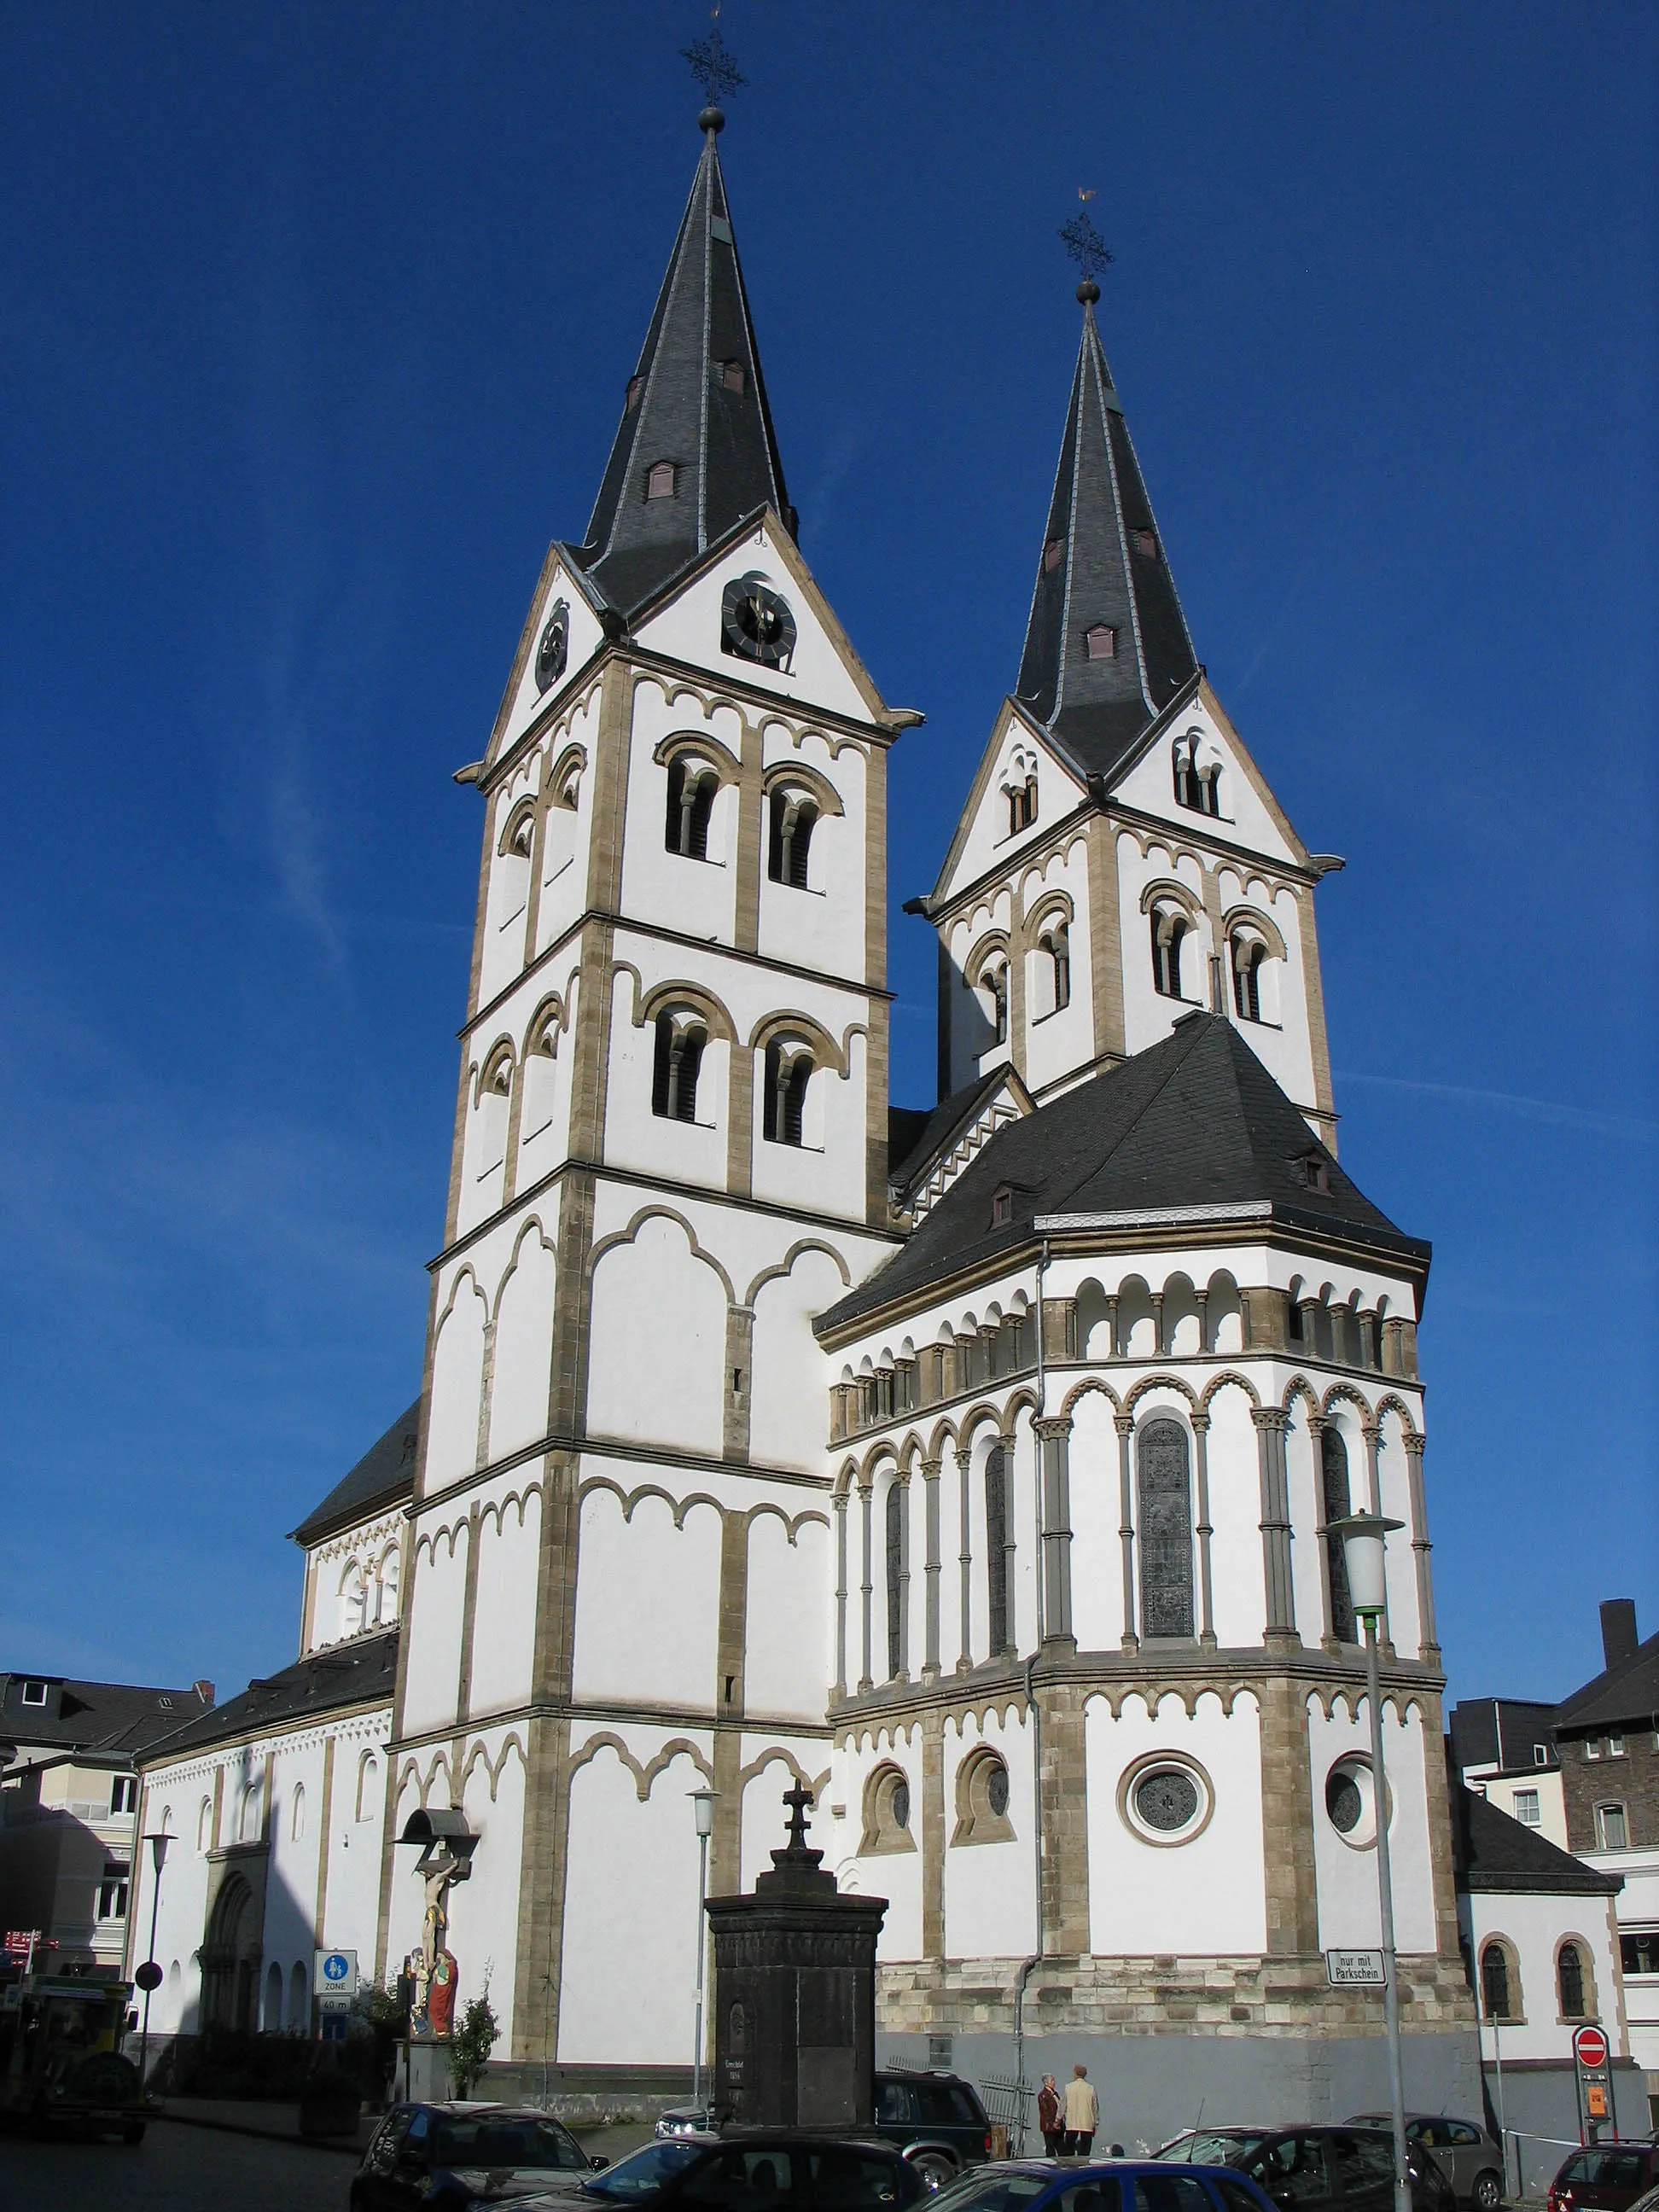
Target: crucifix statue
{"x": 798, "y": 1800}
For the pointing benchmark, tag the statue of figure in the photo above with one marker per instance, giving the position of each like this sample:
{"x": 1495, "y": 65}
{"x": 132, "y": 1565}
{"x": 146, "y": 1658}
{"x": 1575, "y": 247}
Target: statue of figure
{"x": 440, "y": 1997}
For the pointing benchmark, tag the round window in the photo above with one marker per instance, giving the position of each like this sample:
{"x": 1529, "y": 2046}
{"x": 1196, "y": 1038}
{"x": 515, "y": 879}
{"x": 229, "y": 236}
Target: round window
{"x": 555, "y": 645}
{"x": 1166, "y": 1800}
{"x": 1351, "y": 1801}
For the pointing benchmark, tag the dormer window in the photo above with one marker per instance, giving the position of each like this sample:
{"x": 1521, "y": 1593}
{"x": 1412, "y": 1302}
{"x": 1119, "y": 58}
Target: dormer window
{"x": 1002, "y": 1208}
{"x": 659, "y": 480}
{"x": 1053, "y": 554}
{"x": 1315, "y": 1174}
{"x": 1145, "y": 543}
{"x": 35, "y": 1693}
{"x": 1100, "y": 641}
{"x": 731, "y": 375}
{"x": 635, "y": 386}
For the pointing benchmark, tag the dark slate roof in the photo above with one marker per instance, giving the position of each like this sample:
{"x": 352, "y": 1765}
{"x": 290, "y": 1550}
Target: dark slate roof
{"x": 1627, "y": 1692}
{"x": 360, "y": 1673}
{"x": 1501, "y": 1732}
{"x": 1491, "y": 1852}
{"x": 384, "y": 1473}
{"x": 1194, "y": 1120}
{"x": 929, "y": 1133}
{"x": 722, "y": 440}
{"x": 108, "y": 1720}
{"x": 1110, "y": 571}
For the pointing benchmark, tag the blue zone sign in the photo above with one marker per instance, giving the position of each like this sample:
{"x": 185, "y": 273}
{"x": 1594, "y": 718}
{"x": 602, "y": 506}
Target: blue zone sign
{"x": 337, "y": 1980}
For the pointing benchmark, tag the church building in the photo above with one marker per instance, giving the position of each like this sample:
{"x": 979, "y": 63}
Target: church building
{"x": 973, "y": 1466}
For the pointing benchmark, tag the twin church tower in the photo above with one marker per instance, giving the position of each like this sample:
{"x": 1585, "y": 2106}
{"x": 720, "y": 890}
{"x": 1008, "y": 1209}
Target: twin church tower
{"x": 970, "y": 1466}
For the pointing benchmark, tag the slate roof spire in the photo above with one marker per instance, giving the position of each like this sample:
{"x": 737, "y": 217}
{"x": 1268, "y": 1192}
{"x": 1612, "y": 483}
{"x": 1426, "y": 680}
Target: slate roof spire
{"x": 1106, "y": 646}
{"x": 696, "y": 403}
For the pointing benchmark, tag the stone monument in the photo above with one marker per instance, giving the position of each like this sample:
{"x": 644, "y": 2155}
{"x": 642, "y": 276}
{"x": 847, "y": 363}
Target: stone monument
{"x": 795, "y": 1993}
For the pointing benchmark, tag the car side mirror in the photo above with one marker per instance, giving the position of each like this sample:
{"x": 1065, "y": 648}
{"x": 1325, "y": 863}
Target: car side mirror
{"x": 599, "y": 2165}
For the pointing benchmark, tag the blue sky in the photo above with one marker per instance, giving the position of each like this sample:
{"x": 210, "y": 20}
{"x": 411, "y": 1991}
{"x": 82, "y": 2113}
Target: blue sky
{"x": 317, "y": 322}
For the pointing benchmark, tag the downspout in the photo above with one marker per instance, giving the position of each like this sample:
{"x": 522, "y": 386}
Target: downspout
{"x": 1032, "y": 1707}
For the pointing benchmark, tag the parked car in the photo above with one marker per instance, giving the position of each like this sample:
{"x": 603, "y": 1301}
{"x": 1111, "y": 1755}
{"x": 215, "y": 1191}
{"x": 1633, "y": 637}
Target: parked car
{"x": 1048, "y": 2184}
{"x": 762, "y": 2170}
{"x": 1317, "y": 2169}
{"x": 441, "y": 2157}
{"x": 1468, "y": 2157}
{"x": 1605, "y": 2178}
{"x": 936, "y": 2121}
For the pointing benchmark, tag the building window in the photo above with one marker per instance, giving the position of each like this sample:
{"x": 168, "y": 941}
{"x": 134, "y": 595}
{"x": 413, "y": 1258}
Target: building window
{"x": 1166, "y": 1530}
{"x": 297, "y": 1819}
{"x": 1169, "y": 928}
{"x": 996, "y": 1548}
{"x": 1570, "y": 1979}
{"x": 887, "y": 1812}
{"x": 1052, "y": 553}
{"x": 659, "y": 480}
{"x": 731, "y": 376}
{"x": 369, "y": 1786}
{"x": 1055, "y": 947}
{"x": 792, "y": 819}
{"x": 1165, "y": 1799}
{"x": 635, "y": 386}
{"x": 1022, "y": 804}
{"x": 788, "y": 1071}
{"x": 1638, "y": 1953}
{"x": 204, "y": 1826}
{"x": 1334, "y": 1460}
{"x": 1593, "y": 1746}
{"x": 124, "y": 1794}
{"x": 1496, "y": 1995}
{"x": 35, "y": 1693}
{"x": 1100, "y": 642}
{"x": 1197, "y": 781}
{"x": 1615, "y": 1746}
{"x": 982, "y": 1798}
{"x": 1541, "y": 1754}
{"x": 692, "y": 786}
{"x": 680, "y": 1042}
{"x": 1612, "y": 1828}
{"x": 993, "y": 997}
{"x": 1145, "y": 543}
{"x": 895, "y": 1578}
{"x": 113, "y": 1891}
{"x": 1526, "y": 1808}
{"x": 1248, "y": 953}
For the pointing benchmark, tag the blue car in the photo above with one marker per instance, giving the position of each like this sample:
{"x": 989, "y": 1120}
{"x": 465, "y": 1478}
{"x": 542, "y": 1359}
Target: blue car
{"x": 1119, "y": 2185}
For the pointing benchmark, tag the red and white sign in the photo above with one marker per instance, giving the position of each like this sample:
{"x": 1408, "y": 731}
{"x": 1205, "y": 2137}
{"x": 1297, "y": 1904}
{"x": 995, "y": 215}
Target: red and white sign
{"x": 1589, "y": 2048}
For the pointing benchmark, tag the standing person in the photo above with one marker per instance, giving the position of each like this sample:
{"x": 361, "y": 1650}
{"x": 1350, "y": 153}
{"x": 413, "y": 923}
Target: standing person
{"x": 1050, "y": 2120}
{"x": 1082, "y": 2113}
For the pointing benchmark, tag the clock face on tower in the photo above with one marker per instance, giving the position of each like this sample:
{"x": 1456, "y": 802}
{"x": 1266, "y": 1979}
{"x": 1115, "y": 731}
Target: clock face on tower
{"x": 756, "y": 625}
{"x": 555, "y": 645}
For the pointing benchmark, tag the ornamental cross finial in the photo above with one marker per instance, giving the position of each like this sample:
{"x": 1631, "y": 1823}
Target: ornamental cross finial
{"x": 798, "y": 1800}
{"x": 712, "y": 67}
{"x": 1084, "y": 243}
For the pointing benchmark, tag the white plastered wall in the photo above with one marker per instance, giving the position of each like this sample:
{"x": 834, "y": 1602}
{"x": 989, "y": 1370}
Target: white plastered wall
{"x": 1346, "y": 1874}
{"x": 1533, "y": 1927}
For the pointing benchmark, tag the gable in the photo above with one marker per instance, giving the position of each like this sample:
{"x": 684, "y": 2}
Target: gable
{"x": 538, "y": 677}
{"x": 986, "y": 840}
{"x": 1249, "y": 814}
{"x": 960, "y": 1141}
{"x": 821, "y": 667}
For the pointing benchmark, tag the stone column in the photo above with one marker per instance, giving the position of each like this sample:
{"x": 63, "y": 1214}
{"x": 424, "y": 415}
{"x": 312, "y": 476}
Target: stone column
{"x": 1157, "y": 1323}
{"x": 1206, "y": 1610}
{"x": 1428, "y": 1636}
{"x": 965, "y": 1557}
{"x": 1125, "y": 1425}
{"x": 903, "y": 1482}
{"x": 930, "y": 1473}
{"x": 1111, "y": 1325}
{"x": 1054, "y": 1448}
{"x": 1202, "y": 1298}
{"x": 1065, "y": 1795}
{"x": 841, "y": 1594}
{"x": 1292, "y": 1898}
{"x": 933, "y": 1836}
{"x": 866, "y": 1501}
{"x": 1277, "y": 1588}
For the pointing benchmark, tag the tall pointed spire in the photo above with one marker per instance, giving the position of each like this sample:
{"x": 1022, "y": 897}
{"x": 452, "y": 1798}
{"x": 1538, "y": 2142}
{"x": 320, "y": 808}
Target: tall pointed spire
{"x": 695, "y": 453}
{"x": 1106, "y": 646}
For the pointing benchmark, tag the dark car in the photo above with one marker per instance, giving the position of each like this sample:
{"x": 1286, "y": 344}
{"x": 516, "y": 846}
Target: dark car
{"x": 756, "y": 2170}
{"x": 1317, "y": 2169}
{"x": 1471, "y": 2160}
{"x": 936, "y": 2121}
{"x": 448, "y": 2156}
{"x": 1605, "y": 2178}
{"x": 1047, "y": 2184}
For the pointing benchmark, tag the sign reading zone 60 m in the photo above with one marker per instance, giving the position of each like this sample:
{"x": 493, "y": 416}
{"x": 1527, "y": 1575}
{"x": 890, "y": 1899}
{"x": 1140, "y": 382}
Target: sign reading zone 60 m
{"x": 337, "y": 1980}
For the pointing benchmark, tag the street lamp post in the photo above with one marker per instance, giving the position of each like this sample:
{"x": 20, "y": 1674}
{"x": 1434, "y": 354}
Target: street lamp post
{"x": 1362, "y": 1538}
{"x": 158, "y": 1852}
{"x": 702, "y": 1805}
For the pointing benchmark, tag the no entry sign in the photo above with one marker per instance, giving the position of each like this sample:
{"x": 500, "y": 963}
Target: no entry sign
{"x": 1589, "y": 2048}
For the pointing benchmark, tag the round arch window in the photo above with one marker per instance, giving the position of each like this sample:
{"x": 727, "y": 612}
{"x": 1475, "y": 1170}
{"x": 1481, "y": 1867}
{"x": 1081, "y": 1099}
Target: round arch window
{"x": 1166, "y": 1799}
{"x": 1351, "y": 1801}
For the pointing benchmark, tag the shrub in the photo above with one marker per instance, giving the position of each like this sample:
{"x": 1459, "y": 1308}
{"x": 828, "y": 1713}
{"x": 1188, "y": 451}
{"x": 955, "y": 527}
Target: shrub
{"x": 470, "y": 2044}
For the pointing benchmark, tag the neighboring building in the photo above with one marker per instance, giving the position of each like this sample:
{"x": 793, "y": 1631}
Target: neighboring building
{"x": 1505, "y": 1748}
{"x": 277, "y": 1800}
{"x": 1608, "y": 1736}
{"x": 749, "y": 1408}
{"x": 1541, "y": 1925}
{"x": 69, "y": 1802}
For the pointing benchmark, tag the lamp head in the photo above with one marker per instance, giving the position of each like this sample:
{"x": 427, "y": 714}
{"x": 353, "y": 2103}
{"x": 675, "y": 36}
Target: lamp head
{"x": 1363, "y": 1536}
{"x": 158, "y": 1850}
{"x": 702, "y": 1809}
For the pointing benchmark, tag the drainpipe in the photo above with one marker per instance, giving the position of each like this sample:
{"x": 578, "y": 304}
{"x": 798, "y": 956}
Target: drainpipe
{"x": 1028, "y": 1964}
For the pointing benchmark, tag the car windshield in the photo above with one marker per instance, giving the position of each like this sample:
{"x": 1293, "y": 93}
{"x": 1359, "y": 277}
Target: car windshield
{"x": 507, "y": 2139}
{"x": 996, "y": 2190}
{"x": 1200, "y": 2149}
{"x": 647, "y": 2171}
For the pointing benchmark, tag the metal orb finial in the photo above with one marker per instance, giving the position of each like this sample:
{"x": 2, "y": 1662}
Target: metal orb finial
{"x": 716, "y": 72}
{"x": 1089, "y": 250}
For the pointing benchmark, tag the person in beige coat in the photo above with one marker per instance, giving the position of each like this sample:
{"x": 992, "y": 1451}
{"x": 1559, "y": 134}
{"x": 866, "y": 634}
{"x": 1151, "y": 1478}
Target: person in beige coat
{"x": 1082, "y": 2113}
